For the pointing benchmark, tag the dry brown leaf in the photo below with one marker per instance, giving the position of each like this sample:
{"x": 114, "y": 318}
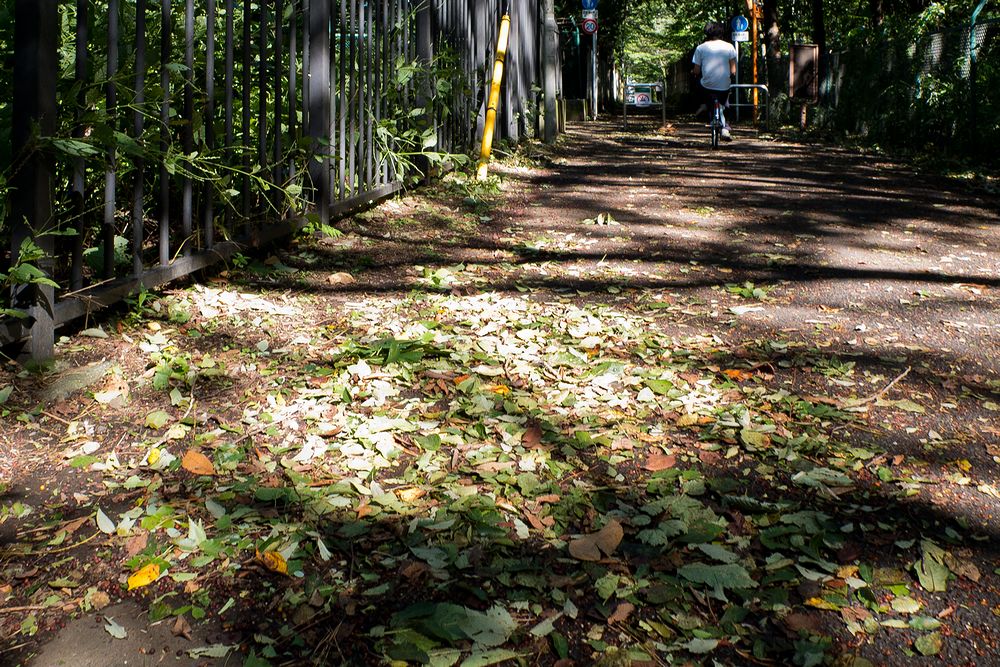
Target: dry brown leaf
{"x": 100, "y": 600}
{"x": 136, "y": 543}
{"x": 609, "y": 537}
{"x": 590, "y": 547}
{"x": 181, "y": 628}
{"x": 534, "y": 521}
{"x": 72, "y": 526}
{"x": 585, "y": 549}
{"x": 621, "y": 613}
{"x": 341, "y": 278}
{"x": 657, "y": 462}
{"x": 364, "y": 509}
{"x": 532, "y": 437}
{"x": 550, "y": 498}
{"x": 197, "y": 463}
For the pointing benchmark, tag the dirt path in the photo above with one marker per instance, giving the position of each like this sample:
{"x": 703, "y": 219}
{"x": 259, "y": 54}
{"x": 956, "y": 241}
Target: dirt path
{"x": 772, "y": 364}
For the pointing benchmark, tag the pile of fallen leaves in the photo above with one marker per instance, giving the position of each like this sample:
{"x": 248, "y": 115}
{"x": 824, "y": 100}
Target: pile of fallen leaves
{"x": 462, "y": 477}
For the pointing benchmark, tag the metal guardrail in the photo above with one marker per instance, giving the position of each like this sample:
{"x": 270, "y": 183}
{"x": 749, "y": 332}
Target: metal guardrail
{"x": 285, "y": 92}
{"x": 759, "y": 87}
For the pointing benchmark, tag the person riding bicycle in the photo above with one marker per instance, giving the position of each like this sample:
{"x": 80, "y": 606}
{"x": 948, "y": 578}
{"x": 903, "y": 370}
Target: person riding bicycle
{"x": 715, "y": 63}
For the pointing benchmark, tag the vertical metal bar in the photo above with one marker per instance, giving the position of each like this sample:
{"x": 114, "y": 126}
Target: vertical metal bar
{"x": 306, "y": 67}
{"x": 369, "y": 108}
{"x": 382, "y": 87}
{"x": 79, "y": 166}
{"x": 343, "y": 102}
{"x": 262, "y": 90}
{"x": 139, "y": 172}
{"x": 293, "y": 82}
{"x": 187, "y": 192}
{"x": 353, "y": 97}
{"x": 208, "y": 222}
{"x": 279, "y": 57}
{"x": 319, "y": 101}
{"x": 230, "y": 82}
{"x": 331, "y": 132}
{"x": 110, "y": 177}
{"x": 166, "y": 34}
{"x": 245, "y": 81}
{"x": 35, "y": 72}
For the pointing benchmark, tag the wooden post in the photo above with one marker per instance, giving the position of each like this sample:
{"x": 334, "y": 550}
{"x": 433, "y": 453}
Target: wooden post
{"x": 551, "y": 64}
{"x": 36, "y": 29}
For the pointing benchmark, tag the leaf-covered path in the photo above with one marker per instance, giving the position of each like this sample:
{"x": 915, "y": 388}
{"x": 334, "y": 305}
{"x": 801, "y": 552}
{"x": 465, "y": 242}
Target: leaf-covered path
{"x": 642, "y": 403}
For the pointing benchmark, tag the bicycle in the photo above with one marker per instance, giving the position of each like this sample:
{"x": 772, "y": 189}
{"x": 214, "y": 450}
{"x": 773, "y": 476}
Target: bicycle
{"x": 716, "y": 124}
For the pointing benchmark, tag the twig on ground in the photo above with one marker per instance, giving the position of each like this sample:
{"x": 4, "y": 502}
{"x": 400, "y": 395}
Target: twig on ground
{"x": 879, "y": 394}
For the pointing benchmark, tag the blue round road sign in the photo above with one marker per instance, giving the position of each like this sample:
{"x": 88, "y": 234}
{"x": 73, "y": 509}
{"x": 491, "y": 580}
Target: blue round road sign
{"x": 740, "y": 23}
{"x": 590, "y": 4}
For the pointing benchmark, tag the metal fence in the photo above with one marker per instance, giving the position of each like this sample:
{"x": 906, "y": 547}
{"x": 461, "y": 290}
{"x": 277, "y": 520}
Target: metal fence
{"x": 152, "y": 138}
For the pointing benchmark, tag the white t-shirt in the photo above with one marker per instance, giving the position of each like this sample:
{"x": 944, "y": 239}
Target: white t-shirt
{"x": 713, "y": 57}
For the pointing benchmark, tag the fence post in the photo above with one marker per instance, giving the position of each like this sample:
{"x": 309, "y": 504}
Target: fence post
{"x": 318, "y": 85}
{"x": 36, "y": 27}
{"x": 551, "y": 55}
{"x": 425, "y": 57}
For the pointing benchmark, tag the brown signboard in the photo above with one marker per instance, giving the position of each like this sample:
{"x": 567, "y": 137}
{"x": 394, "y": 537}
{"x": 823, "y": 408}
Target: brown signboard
{"x": 803, "y": 72}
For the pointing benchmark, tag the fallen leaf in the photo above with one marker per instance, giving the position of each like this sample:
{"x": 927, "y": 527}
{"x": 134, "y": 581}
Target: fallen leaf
{"x": 411, "y": 494}
{"x": 114, "y": 629}
{"x": 341, "y": 278}
{"x": 197, "y": 463}
{"x": 181, "y": 628}
{"x": 657, "y": 462}
{"x": 144, "y": 577}
{"x": 136, "y": 543}
{"x": 621, "y": 613}
{"x": 273, "y": 561}
{"x": 929, "y": 644}
{"x": 590, "y": 547}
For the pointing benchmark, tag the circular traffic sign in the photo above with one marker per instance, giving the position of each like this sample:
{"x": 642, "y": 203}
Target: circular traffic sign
{"x": 590, "y": 4}
{"x": 589, "y": 26}
{"x": 740, "y": 23}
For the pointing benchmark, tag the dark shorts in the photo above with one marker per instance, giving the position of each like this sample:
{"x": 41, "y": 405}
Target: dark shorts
{"x": 712, "y": 95}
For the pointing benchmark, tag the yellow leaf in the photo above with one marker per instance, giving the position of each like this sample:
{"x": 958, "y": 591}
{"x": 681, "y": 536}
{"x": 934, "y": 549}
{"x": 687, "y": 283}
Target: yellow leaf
{"x": 687, "y": 420}
{"x": 197, "y": 463}
{"x": 273, "y": 561}
{"x": 820, "y": 603}
{"x": 144, "y": 577}
{"x": 153, "y": 456}
{"x": 500, "y": 389}
{"x": 964, "y": 465}
{"x": 411, "y": 495}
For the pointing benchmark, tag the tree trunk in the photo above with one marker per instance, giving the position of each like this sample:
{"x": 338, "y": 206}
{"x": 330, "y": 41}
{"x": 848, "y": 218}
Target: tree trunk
{"x": 776, "y": 79}
{"x": 819, "y": 38}
{"x": 877, "y": 10}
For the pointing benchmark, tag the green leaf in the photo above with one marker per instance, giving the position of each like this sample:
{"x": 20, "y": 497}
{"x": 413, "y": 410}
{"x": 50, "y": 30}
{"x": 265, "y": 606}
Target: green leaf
{"x": 490, "y": 629}
{"x": 718, "y": 576}
{"x": 905, "y": 605}
{"x": 5, "y": 393}
{"x": 753, "y": 438}
{"x": 929, "y": 644}
{"x": 157, "y": 420}
{"x": 490, "y": 657}
{"x": 607, "y": 585}
{"x": 700, "y": 646}
{"x": 909, "y": 406}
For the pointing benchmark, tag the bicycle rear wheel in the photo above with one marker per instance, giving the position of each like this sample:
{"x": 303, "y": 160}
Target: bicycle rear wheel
{"x": 716, "y": 131}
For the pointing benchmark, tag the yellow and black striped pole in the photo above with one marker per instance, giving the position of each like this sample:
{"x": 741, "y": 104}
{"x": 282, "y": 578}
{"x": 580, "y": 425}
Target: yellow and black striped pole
{"x": 491, "y": 110}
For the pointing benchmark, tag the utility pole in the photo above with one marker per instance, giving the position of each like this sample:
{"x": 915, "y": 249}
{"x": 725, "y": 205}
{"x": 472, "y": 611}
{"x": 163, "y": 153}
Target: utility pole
{"x": 551, "y": 64}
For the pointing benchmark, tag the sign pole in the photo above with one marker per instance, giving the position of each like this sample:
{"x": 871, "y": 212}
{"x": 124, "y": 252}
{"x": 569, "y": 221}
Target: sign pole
{"x": 737, "y": 45}
{"x": 756, "y": 79}
{"x": 593, "y": 78}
